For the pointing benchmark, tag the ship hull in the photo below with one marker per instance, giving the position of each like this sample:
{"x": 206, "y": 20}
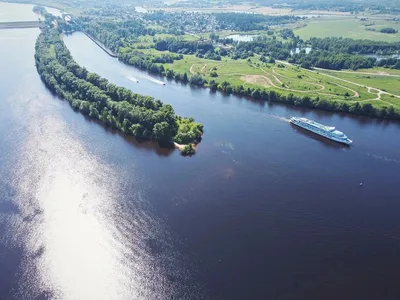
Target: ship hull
{"x": 323, "y": 134}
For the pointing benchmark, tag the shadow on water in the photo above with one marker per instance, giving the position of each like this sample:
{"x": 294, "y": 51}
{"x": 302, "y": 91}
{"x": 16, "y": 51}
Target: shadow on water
{"x": 160, "y": 148}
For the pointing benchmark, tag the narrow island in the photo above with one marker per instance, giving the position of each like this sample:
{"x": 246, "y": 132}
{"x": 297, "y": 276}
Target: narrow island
{"x": 116, "y": 107}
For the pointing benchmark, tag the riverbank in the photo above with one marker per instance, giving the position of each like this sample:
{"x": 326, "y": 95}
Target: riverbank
{"x": 276, "y": 82}
{"x": 102, "y": 47}
{"x": 244, "y": 73}
{"x": 25, "y": 24}
{"x": 281, "y": 82}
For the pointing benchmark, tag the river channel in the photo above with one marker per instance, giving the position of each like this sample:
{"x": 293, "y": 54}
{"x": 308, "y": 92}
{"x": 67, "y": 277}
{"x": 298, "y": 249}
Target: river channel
{"x": 262, "y": 211}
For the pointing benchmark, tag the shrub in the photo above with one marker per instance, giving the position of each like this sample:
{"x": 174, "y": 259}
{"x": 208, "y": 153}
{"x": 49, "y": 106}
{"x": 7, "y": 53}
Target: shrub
{"x": 188, "y": 150}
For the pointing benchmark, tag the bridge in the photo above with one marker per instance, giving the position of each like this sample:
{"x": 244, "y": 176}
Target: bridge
{"x": 24, "y": 24}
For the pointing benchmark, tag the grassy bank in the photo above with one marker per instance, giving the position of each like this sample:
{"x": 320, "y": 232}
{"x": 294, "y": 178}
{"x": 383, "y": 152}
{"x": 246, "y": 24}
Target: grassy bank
{"x": 349, "y": 27}
{"x": 287, "y": 79}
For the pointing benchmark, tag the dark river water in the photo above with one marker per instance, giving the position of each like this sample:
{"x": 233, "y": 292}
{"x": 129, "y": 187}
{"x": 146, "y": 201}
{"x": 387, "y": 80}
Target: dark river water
{"x": 262, "y": 211}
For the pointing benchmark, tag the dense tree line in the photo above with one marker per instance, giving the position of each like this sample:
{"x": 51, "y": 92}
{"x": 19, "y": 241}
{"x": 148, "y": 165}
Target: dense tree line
{"x": 265, "y": 46}
{"x": 351, "y": 46}
{"x": 388, "y": 30}
{"x": 141, "y": 60}
{"x": 202, "y": 49}
{"x": 327, "y": 53}
{"x": 393, "y": 63}
{"x": 116, "y": 107}
{"x": 287, "y": 33}
{"x": 248, "y": 22}
{"x": 113, "y": 33}
{"x": 201, "y": 22}
{"x": 181, "y": 22}
{"x": 333, "y": 61}
{"x": 365, "y": 109}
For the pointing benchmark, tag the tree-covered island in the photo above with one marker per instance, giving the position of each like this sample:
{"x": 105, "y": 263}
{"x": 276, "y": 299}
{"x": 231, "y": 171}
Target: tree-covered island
{"x": 114, "y": 106}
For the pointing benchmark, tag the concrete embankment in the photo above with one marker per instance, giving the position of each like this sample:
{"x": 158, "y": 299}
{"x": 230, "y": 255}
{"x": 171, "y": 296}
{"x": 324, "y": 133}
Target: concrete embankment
{"x": 108, "y": 51}
{"x": 25, "y": 24}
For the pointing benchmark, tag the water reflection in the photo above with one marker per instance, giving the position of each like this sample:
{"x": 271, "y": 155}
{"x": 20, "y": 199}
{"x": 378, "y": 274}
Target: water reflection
{"x": 161, "y": 149}
{"x": 84, "y": 225}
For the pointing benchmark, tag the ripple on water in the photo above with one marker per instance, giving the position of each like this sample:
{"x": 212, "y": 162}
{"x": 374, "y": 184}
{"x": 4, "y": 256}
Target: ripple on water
{"x": 85, "y": 226}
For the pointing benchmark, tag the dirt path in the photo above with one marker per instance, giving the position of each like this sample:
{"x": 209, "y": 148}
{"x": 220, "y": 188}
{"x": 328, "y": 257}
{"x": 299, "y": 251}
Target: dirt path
{"x": 369, "y": 88}
{"x": 253, "y": 79}
{"x": 276, "y": 78}
{"x": 191, "y": 69}
{"x": 355, "y": 93}
{"x": 321, "y": 86}
{"x": 362, "y": 73}
{"x": 288, "y": 89}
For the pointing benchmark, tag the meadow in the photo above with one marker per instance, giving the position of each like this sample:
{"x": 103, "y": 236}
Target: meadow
{"x": 348, "y": 27}
{"x": 390, "y": 84}
{"x": 285, "y": 78}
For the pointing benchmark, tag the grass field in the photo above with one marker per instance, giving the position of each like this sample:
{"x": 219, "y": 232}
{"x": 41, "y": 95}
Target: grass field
{"x": 245, "y": 8}
{"x": 382, "y": 71}
{"x": 349, "y": 27}
{"x": 390, "y": 84}
{"x": 148, "y": 40}
{"x": 284, "y": 78}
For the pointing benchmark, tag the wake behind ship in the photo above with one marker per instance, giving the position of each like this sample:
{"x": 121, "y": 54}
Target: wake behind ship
{"x": 326, "y": 131}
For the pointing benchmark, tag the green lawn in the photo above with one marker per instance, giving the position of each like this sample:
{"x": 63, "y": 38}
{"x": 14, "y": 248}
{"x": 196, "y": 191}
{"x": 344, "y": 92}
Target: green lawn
{"x": 392, "y": 100}
{"x": 348, "y": 27}
{"x": 287, "y": 79}
{"x": 380, "y": 71}
{"x": 388, "y": 84}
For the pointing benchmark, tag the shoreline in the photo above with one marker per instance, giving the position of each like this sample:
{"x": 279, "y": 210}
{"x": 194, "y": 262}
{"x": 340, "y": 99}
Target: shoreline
{"x": 391, "y": 113}
{"x": 42, "y": 52}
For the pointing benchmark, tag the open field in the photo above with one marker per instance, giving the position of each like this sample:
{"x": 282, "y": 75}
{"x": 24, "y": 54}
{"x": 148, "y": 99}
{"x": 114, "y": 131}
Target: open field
{"x": 390, "y": 84}
{"x": 148, "y": 40}
{"x": 378, "y": 71}
{"x": 235, "y": 8}
{"x": 284, "y": 78}
{"x": 348, "y": 27}
{"x": 259, "y": 9}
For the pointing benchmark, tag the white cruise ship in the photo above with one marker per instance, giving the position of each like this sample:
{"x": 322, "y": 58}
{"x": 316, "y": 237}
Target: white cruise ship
{"x": 326, "y": 131}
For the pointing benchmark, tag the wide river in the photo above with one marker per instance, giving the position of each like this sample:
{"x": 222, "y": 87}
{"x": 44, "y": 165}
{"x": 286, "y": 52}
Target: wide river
{"x": 262, "y": 211}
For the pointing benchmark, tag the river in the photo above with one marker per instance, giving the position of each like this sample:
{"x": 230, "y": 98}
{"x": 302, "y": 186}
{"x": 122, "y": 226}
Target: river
{"x": 10, "y": 12}
{"x": 262, "y": 211}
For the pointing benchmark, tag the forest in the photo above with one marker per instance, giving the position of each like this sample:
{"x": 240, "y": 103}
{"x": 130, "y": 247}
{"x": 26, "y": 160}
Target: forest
{"x": 249, "y": 22}
{"x": 351, "y": 46}
{"x": 332, "y": 61}
{"x": 199, "y": 48}
{"x": 327, "y": 53}
{"x": 116, "y": 107}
